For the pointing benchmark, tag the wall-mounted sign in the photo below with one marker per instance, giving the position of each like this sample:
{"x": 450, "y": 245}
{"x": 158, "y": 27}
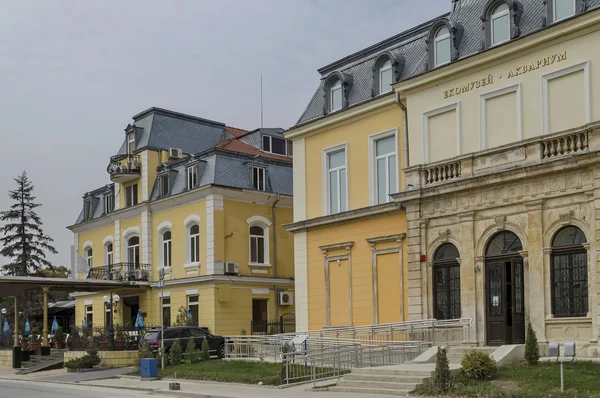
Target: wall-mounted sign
{"x": 516, "y": 71}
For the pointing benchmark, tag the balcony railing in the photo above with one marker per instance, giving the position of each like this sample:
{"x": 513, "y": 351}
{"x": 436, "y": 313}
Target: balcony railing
{"x": 121, "y": 272}
{"x": 124, "y": 168}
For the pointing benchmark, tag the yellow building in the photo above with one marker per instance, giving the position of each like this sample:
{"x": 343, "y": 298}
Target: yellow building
{"x": 499, "y": 181}
{"x": 203, "y": 201}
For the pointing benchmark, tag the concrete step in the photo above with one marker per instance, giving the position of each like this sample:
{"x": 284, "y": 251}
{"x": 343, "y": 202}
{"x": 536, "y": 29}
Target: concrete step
{"x": 378, "y": 385}
{"x": 392, "y": 372}
{"x": 385, "y": 378}
{"x": 359, "y": 390}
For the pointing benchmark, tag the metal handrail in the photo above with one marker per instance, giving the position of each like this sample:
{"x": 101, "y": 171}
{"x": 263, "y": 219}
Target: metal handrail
{"x": 121, "y": 272}
{"x": 117, "y": 166}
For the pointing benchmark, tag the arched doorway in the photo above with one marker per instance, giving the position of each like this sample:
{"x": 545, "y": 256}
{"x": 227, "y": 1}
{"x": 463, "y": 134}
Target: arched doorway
{"x": 446, "y": 282}
{"x": 505, "y": 296}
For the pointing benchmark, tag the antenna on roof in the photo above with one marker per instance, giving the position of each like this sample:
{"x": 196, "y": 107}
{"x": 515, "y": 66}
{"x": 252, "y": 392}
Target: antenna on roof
{"x": 261, "y": 103}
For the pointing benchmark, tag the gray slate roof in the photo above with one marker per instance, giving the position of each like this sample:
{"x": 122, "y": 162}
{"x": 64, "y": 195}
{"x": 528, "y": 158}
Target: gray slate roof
{"x": 97, "y": 198}
{"x": 254, "y": 137}
{"x": 412, "y": 45}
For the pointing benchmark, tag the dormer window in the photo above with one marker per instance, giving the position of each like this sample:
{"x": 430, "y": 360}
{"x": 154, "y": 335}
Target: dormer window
{"x": 500, "y": 23}
{"x": 278, "y": 146}
{"x": 164, "y": 185}
{"x": 442, "y": 46}
{"x": 385, "y": 77}
{"x": 131, "y": 143}
{"x": 335, "y": 96}
{"x": 562, "y": 9}
{"x": 109, "y": 203}
{"x": 192, "y": 177}
{"x": 258, "y": 178}
{"x": 87, "y": 210}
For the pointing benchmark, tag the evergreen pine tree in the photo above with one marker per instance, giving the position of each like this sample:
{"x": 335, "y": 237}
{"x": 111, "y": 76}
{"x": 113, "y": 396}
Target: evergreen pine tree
{"x": 532, "y": 349}
{"x": 23, "y": 241}
{"x": 442, "y": 376}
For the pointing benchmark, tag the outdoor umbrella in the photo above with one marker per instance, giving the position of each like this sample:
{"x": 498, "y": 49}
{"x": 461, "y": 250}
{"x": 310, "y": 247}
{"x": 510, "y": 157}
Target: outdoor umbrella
{"x": 54, "y": 326}
{"x": 6, "y": 328}
{"x": 189, "y": 315}
{"x": 139, "y": 321}
{"x": 84, "y": 323}
{"x": 27, "y": 327}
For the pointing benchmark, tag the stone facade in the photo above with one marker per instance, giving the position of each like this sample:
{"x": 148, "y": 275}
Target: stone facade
{"x": 532, "y": 188}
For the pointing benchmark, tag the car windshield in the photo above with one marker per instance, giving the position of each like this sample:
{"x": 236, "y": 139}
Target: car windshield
{"x": 151, "y": 336}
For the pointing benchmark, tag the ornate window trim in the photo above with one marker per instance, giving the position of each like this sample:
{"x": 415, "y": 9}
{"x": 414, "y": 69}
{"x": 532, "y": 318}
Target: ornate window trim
{"x": 397, "y": 68}
{"x": 515, "y": 11}
{"x": 456, "y": 34}
{"x": 346, "y": 81}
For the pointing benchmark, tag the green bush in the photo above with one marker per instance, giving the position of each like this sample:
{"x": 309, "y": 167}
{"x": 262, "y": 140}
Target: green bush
{"x": 442, "y": 376}
{"x": 87, "y": 361}
{"x": 175, "y": 354}
{"x": 145, "y": 352}
{"x": 59, "y": 336}
{"x": 532, "y": 350}
{"x": 478, "y": 365}
{"x": 192, "y": 354}
{"x": 205, "y": 354}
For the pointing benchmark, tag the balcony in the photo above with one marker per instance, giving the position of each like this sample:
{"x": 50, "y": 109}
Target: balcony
{"x": 124, "y": 168}
{"x": 127, "y": 272}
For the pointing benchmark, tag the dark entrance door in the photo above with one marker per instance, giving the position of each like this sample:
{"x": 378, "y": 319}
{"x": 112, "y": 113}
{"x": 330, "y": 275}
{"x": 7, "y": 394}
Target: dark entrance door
{"x": 505, "y": 292}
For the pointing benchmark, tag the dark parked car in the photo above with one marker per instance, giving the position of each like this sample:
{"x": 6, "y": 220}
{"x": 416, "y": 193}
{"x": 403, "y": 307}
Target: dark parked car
{"x": 216, "y": 344}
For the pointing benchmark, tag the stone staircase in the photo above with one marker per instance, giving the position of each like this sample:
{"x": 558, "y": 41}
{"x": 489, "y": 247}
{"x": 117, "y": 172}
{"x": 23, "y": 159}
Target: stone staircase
{"x": 38, "y": 363}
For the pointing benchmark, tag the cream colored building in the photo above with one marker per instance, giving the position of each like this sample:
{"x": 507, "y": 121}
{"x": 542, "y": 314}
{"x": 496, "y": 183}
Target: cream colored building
{"x": 500, "y": 188}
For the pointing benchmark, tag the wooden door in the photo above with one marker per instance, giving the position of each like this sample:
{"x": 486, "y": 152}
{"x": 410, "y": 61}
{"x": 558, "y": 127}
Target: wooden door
{"x": 518, "y": 307}
{"x": 495, "y": 288}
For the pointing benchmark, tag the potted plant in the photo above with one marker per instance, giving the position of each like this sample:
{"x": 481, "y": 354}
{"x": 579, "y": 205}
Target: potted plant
{"x": 35, "y": 342}
{"x": 25, "y": 353}
{"x": 59, "y": 339}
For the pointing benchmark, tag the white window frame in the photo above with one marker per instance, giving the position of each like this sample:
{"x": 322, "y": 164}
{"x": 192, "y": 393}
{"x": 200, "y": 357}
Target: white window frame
{"x": 130, "y": 140}
{"x": 264, "y": 180}
{"x": 435, "y": 112}
{"x": 89, "y": 310}
{"x": 194, "y": 304}
{"x": 483, "y": 114}
{"x": 129, "y": 195}
{"x": 165, "y": 245}
{"x": 189, "y": 222}
{"x": 192, "y": 177}
{"x": 163, "y": 182}
{"x": 373, "y": 163}
{"x": 495, "y": 16}
{"x": 435, "y": 42}
{"x": 325, "y": 176}
{"x": 109, "y": 255}
{"x": 265, "y": 224}
{"x": 89, "y": 256}
{"x": 554, "y": 19}
{"x": 127, "y": 247}
{"x": 109, "y": 203}
{"x": 382, "y": 69}
{"x": 270, "y": 150}
{"x": 335, "y": 87}
{"x": 585, "y": 66}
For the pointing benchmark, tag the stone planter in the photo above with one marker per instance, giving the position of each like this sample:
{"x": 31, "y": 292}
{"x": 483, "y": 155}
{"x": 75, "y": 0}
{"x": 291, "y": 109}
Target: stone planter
{"x": 25, "y": 355}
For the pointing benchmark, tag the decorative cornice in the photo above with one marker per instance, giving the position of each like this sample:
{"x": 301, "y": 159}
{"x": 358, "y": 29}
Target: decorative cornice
{"x": 336, "y": 246}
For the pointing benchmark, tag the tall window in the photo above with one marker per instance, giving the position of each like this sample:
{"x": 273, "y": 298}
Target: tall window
{"x": 130, "y": 143}
{"x": 335, "y": 96}
{"x": 385, "y": 77}
{"x": 89, "y": 315}
{"x": 109, "y": 254}
{"x": 569, "y": 274}
{"x": 192, "y": 177}
{"x": 133, "y": 250}
{"x": 164, "y": 186}
{"x": 278, "y": 146}
{"x": 258, "y": 178}
{"x": 131, "y": 195}
{"x": 166, "y": 311}
{"x": 446, "y": 282}
{"x": 166, "y": 249}
{"x": 194, "y": 236}
{"x": 500, "y": 22}
{"x": 109, "y": 203}
{"x": 88, "y": 210}
{"x": 193, "y": 308}
{"x": 88, "y": 257}
{"x": 563, "y": 9}
{"x": 290, "y": 148}
{"x": 336, "y": 181}
{"x": 442, "y": 46}
{"x": 385, "y": 168}
{"x": 257, "y": 245}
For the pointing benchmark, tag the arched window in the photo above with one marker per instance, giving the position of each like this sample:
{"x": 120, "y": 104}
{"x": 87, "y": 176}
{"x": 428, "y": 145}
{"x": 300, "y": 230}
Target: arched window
{"x": 335, "y": 96}
{"x": 133, "y": 250}
{"x": 446, "y": 282}
{"x": 109, "y": 253}
{"x": 503, "y": 243}
{"x": 257, "y": 245}
{"x": 88, "y": 257}
{"x": 441, "y": 48}
{"x": 385, "y": 77}
{"x": 194, "y": 243}
{"x": 166, "y": 248}
{"x": 500, "y": 24}
{"x": 569, "y": 274}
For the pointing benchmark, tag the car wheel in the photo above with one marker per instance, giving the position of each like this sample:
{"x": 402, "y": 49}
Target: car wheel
{"x": 221, "y": 351}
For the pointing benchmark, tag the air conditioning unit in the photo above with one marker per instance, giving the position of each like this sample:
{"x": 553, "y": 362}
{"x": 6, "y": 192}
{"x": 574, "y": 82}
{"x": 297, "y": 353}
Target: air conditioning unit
{"x": 174, "y": 153}
{"x": 231, "y": 269}
{"x": 286, "y": 298}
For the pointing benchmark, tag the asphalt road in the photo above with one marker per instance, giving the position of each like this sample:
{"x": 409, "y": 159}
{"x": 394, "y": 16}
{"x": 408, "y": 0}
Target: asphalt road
{"x": 18, "y": 388}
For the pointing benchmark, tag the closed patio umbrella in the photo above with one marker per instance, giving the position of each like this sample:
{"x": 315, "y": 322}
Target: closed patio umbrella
{"x": 189, "y": 315}
{"x": 54, "y": 326}
{"x": 139, "y": 321}
{"x": 85, "y": 325}
{"x": 27, "y": 328}
{"x": 6, "y": 328}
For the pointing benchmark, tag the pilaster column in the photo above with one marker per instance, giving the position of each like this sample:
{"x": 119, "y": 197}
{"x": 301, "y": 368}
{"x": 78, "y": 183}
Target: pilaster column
{"x": 534, "y": 268}
{"x": 45, "y": 290}
{"x": 479, "y": 268}
{"x": 468, "y": 292}
{"x": 417, "y": 277}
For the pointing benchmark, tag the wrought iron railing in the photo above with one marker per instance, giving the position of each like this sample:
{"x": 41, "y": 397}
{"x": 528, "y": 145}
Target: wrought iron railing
{"x": 285, "y": 324}
{"x": 124, "y": 164}
{"x": 121, "y": 272}
{"x": 125, "y": 337}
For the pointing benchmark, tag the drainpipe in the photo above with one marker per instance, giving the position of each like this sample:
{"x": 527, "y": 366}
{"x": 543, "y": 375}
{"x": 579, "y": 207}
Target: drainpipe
{"x": 274, "y": 217}
{"x": 405, "y": 120}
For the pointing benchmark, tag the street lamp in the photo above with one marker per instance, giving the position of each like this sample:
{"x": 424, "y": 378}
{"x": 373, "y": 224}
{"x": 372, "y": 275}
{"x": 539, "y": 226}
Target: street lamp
{"x": 161, "y": 284}
{"x": 111, "y": 303}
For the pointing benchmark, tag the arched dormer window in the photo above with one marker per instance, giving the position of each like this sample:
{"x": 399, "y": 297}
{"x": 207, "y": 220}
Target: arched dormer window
{"x": 443, "y": 42}
{"x": 386, "y": 71}
{"x": 501, "y": 21}
{"x": 336, "y": 91}
{"x": 557, "y": 10}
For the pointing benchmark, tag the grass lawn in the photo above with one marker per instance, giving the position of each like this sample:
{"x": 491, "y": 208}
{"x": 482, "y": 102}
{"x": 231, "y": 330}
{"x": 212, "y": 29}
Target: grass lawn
{"x": 582, "y": 380}
{"x": 226, "y": 371}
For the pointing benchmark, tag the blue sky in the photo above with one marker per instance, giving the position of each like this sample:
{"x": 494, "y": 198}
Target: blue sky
{"x": 72, "y": 73}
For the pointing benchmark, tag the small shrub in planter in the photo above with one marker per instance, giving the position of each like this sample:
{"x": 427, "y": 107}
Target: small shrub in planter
{"x": 532, "y": 349}
{"x": 145, "y": 352}
{"x": 442, "y": 376}
{"x": 192, "y": 354}
{"x": 478, "y": 365}
{"x": 175, "y": 354}
{"x": 87, "y": 361}
{"x": 205, "y": 354}
{"x": 59, "y": 338}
